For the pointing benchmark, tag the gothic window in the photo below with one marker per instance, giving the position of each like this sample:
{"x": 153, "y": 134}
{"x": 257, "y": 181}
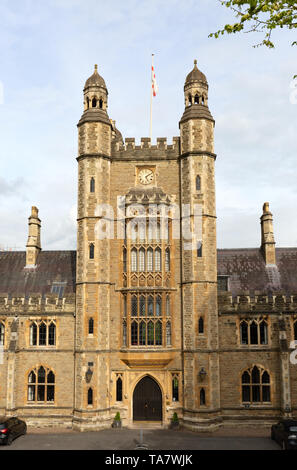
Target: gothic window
{"x": 168, "y": 333}
{"x": 253, "y": 332}
{"x": 2, "y": 334}
{"x": 190, "y": 100}
{"x": 158, "y": 333}
{"x": 92, "y": 185}
{"x": 199, "y": 250}
{"x": 196, "y": 99}
{"x": 201, "y": 326}
{"x": 159, "y": 306}
{"x": 202, "y": 397}
{"x": 134, "y": 306}
{"x": 134, "y": 260}
{"x": 141, "y": 260}
{"x": 42, "y": 334}
{"x": 33, "y": 334}
{"x": 91, "y": 326}
{"x": 167, "y": 260}
{"x": 158, "y": 259}
{"x": 198, "y": 183}
{"x": 41, "y": 385}
{"x": 52, "y": 334}
{"x": 119, "y": 391}
{"x": 151, "y": 305}
{"x": 167, "y": 306}
{"x": 125, "y": 260}
{"x": 255, "y": 385}
{"x": 90, "y": 396}
{"x": 92, "y": 251}
{"x": 100, "y": 103}
{"x": 149, "y": 260}
{"x": 142, "y": 306}
{"x": 88, "y": 103}
{"x": 175, "y": 387}
{"x": 94, "y": 103}
{"x": 134, "y": 333}
{"x": 142, "y": 333}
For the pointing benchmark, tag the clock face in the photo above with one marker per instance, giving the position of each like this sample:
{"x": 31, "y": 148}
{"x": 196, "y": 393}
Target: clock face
{"x": 146, "y": 176}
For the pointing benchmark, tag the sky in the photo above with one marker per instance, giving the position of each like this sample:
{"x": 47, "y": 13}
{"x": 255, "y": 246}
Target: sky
{"x": 48, "y": 50}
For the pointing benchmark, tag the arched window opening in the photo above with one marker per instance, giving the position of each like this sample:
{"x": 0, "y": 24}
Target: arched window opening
{"x": 101, "y": 103}
{"x": 41, "y": 385}
{"x": 92, "y": 251}
{"x": 92, "y": 185}
{"x": 199, "y": 249}
{"x": 125, "y": 260}
{"x": 201, "y": 325}
{"x": 202, "y": 99}
{"x": 149, "y": 266}
{"x": 167, "y": 260}
{"x": 157, "y": 259}
{"x": 196, "y": 99}
{"x": 119, "y": 392}
{"x": 190, "y": 100}
{"x": 198, "y": 183}
{"x": 159, "y": 306}
{"x": 52, "y": 334}
{"x": 168, "y": 306}
{"x": 254, "y": 332}
{"x": 150, "y": 333}
{"x": 150, "y": 305}
{"x": 202, "y": 397}
{"x": 88, "y": 102}
{"x": 263, "y": 332}
{"x": 2, "y": 334}
{"x": 90, "y": 396}
{"x": 168, "y": 333}
{"x": 42, "y": 334}
{"x": 94, "y": 103}
{"x": 134, "y": 260}
{"x": 134, "y": 306}
{"x": 141, "y": 260}
{"x": 255, "y": 384}
{"x": 33, "y": 334}
{"x": 175, "y": 390}
{"x": 91, "y": 326}
{"x": 244, "y": 332}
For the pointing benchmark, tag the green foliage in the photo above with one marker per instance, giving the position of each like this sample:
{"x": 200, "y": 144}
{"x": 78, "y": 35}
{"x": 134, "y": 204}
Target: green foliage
{"x": 262, "y": 16}
{"x": 175, "y": 418}
{"x": 117, "y": 417}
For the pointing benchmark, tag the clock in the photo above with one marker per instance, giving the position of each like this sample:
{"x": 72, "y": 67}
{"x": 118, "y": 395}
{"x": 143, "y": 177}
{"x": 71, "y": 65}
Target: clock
{"x": 146, "y": 176}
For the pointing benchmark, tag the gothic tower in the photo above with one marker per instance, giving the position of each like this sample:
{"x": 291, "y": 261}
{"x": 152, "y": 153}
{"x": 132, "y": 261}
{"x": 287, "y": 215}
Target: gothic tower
{"x": 93, "y": 268}
{"x": 199, "y": 260}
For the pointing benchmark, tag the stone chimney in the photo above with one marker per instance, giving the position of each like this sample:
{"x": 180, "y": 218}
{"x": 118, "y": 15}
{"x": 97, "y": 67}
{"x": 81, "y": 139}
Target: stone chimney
{"x": 267, "y": 236}
{"x": 33, "y": 243}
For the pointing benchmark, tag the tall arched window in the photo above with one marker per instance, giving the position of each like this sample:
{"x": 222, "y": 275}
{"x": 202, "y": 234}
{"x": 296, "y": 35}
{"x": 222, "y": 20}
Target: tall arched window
{"x": 198, "y": 183}
{"x": 119, "y": 391}
{"x": 90, "y": 396}
{"x": 41, "y": 385}
{"x": 100, "y": 103}
{"x": 199, "y": 249}
{"x": 158, "y": 333}
{"x": 142, "y": 306}
{"x": 201, "y": 325}
{"x": 91, "y": 326}
{"x": 157, "y": 259}
{"x": 167, "y": 260}
{"x": 2, "y": 334}
{"x": 189, "y": 100}
{"x": 134, "y": 260}
{"x": 255, "y": 385}
{"x": 202, "y": 397}
{"x": 253, "y": 332}
{"x": 168, "y": 333}
{"x": 167, "y": 306}
{"x": 92, "y": 251}
{"x": 141, "y": 260}
{"x": 94, "y": 103}
{"x": 92, "y": 185}
{"x": 125, "y": 260}
{"x": 175, "y": 387}
{"x": 158, "y": 306}
{"x": 52, "y": 334}
{"x": 134, "y": 306}
{"x": 33, "y": 334}
{"x": 196, "y": 99}
{"x": 42, "y": 334}
{"x": 149, "y": 265}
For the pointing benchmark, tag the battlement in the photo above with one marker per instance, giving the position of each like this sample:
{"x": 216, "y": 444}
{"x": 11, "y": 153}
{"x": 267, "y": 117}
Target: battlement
{"x": 36, "y": 302}
{"x": 274, "y": 303}
{"x": 160, "y": 151}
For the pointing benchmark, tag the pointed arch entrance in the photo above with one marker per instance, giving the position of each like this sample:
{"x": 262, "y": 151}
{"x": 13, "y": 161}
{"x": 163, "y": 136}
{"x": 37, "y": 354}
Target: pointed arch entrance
{"x": 147, "y": 400}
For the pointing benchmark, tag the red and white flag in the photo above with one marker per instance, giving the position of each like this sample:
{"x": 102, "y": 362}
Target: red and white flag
{"x": 154, "y": 83}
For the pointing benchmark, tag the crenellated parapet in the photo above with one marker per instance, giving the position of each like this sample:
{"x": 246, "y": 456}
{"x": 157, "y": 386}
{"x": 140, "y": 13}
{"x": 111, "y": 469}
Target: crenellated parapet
{"x": 21, "y": 304}
{"x": 146, "y": 151}
{"x": 258, "y": 302}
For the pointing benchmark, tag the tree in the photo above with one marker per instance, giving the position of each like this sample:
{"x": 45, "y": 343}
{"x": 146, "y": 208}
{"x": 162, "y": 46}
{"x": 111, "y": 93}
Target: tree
{"x": 263, "y": 16}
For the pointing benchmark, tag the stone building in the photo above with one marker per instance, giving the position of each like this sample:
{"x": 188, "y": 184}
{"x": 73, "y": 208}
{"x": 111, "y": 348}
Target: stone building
{"x": 147, "y": 317}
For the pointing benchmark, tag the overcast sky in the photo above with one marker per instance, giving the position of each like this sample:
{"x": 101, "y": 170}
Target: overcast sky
{"x": 48, "y": 50}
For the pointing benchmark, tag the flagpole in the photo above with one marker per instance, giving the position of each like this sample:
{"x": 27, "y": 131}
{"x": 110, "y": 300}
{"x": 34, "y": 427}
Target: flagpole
{"x": 151, "y": 106}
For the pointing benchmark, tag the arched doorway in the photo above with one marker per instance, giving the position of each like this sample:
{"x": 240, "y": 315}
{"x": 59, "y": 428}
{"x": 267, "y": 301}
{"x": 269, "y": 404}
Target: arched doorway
{"x": 147, "y": 401}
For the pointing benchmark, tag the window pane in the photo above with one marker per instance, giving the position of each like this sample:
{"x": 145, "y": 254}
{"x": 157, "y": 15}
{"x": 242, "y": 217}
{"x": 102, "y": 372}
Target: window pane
{"x": 119, "y": 396}
{"x": 168, "y": 333}
{"x": 40, "y": 392}
{"x": 52, "y": 334}
{"x": 246, "y": 378}
{"x": 141, "y": 260}
{"x": 142, "y": 306}
{"x": 159, "y": 306}
{"x": 149, "y": 260}
{"x": 91, "y": 326}
{"x": 157, "y": 259}
{"x": 150, "y": 306}
{"x": 1, "y": 334}
{"x": 167, "y": 260}
{"x": 142, "y": 333}
{"x": 50, "y": 378}
{"x": 150, "y": 333}
{"x": 124, "y": 334}
{"x": 263, "y": 332}
{"x": 32, "y": 378}
{"x": 158, "y": 333}
{"x": 266, "y": 393}
{"x": 167, "y": 306}
{"x": 42, "y": 334}
{"x": 134, "y": 307}
{"x": 254, "y": 333}
{"x": 246, "y": 393}
{"x": 256, "y": 393}
{"x": 265, "y": 378}
{"x": 202, "y": 396}
{"x": 134, "y": 333}
{"x": 90, "y": 396}
{"x": 255, "y": 375}
{"x": 243, "y": 333}
{"x": 31, "y": 393}
{"x": 201, "y": 325}
{"x": 175, "y": 389}
{"x": 33, "y": 334}
{"x": 134, "y": 260}
{"x": 41, "y": 375}
{"x": 50, "y": 393}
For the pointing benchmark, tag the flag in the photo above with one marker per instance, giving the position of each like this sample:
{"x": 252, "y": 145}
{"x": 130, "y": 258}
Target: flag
{"x": 154, "y": 83}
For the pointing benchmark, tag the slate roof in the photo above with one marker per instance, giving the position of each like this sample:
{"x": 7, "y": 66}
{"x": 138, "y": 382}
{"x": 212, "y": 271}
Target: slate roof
{"x": 247, "y": 270}
{"x": 52, "y": 266}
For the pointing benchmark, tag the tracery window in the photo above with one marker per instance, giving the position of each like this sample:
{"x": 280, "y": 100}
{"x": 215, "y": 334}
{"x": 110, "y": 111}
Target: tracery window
{"x": 42, "y": 333}
{"x": 255, "y": 385}
{"x": 253, "y": 332}
{"x": 41, "y": 385}
{"x": 2, "y": 334}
